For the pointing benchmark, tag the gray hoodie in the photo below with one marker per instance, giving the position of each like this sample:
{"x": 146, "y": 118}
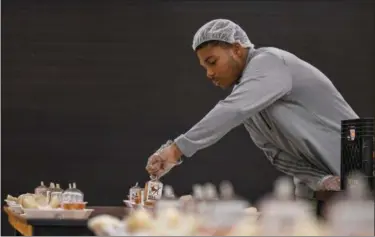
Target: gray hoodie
{"x": 292, "y": 112}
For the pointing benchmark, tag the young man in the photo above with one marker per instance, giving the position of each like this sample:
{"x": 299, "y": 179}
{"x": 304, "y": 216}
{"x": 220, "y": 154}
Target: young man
{"x": 291, "y": 110}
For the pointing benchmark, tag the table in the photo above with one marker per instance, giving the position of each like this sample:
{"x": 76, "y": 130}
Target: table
{"x": 55, "y": 227}
{"x": 322, "y": 197}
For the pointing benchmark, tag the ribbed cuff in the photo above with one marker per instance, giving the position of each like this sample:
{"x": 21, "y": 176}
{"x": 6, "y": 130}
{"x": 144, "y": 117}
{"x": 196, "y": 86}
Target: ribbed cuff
{"x": 187, "y": 147}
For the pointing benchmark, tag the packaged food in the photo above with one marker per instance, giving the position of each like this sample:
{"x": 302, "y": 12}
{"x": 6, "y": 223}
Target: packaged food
{"x": 42, "y": 189}
{"x": 168, "y": 200}
{"x": 220, "y": 215}
{"x": 282, "y": 215}
{"x": 73, "y": 198}
{"x": 135, "y": 195}
{"x": 353, "y": 213}
{"x": 56, "y": 193}
{"x": 153, "y": 192}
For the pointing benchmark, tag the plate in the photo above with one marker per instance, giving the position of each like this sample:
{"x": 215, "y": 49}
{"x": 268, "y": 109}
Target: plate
{"x": 16, "y": 208}
{"x": 131, "y": 204}
{"x": 56, "y": 213}
{"x": 10, "y": 203}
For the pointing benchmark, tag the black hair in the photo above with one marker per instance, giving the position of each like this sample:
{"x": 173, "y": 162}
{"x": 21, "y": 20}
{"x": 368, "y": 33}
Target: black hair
{"x": 214, "y": 43}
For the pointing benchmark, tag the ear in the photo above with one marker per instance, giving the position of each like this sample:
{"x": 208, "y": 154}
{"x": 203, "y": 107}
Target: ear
{"x": 237, "y": 49}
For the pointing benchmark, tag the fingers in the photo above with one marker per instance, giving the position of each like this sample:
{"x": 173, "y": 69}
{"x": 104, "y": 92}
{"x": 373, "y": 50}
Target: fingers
{"x": 332, "y": 184}
{"x": 155, "y": 164}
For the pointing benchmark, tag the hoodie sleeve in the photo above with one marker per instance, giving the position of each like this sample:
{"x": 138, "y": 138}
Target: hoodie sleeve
{"x": 265, "y": 80}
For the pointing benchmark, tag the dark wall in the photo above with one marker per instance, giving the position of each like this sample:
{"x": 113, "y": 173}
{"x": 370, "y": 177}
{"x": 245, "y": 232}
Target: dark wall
{"x": 90, "y": 90}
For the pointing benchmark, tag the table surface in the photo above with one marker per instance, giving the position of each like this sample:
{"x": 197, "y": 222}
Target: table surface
{"x": 325, "y": 195}
{"x": 117, "y": 211}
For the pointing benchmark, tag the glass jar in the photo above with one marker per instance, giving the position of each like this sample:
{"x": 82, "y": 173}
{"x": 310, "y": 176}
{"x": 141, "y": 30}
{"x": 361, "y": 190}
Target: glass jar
{"x": 73, "y": 198}
{"x": 41, "y": 190}
{"x": 56, "y": 192}
{"x": 135, "y": 195}
{"x": 76, "y": 194}
{"x": 153, "y": 192}
{"x": 352, "y": 214}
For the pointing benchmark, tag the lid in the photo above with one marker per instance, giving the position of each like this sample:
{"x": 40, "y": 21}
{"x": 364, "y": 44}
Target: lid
{"x": 198, "y": 192}
{"x": 42, "y": 185}
{"x": 280, "y": 212}
{"x": 58, "y": 188}
{"x": 356, "y": 204}
{"x": 40, "y": 189}
{"x": 210, "y": 192}
{"x": 168, "y": 192}
{"x": 135, "y": 186}
{"x": 284, "y": 188}
{"x": 75, "y": 189}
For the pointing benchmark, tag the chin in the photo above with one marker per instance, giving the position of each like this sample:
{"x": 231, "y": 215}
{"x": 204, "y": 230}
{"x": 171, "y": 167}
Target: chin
{"x": 223, "y": 87}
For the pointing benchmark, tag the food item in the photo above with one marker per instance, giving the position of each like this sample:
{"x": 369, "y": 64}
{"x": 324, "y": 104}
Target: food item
{"x": 54, "y": 202}
{"x": 66, "y": 195}
{"x": 353, "y": 213}
{"x": 168, "y": 200}
{"x": 41, "y": 199}
{"x": 251, "y": 210}
{"x": 28, "y": 201}
{"x": 186, "y": 198}
{"x": 139, "y": 220}
{"x": 135, "y": 195}
{"x": 76, "y": 194}
{"x": 11, "y": 198}
{"x": 281, "y": 214}
{"x": 42, "y": 189}
{"x": 105, "y": 225}
{"x": 153, "y": 192}
{"x": 172, "y": 222}
{"x": 50, "y": 189}
{"x": 22, "y": 196}
{"x": 72, "y": 198}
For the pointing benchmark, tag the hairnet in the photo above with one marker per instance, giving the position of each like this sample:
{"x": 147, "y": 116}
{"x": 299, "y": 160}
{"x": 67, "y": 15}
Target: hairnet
{"x": 221, "y": 30}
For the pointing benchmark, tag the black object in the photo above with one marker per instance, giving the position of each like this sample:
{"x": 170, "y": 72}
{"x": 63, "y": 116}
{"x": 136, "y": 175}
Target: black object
{"x": 357, "y": 149}
{"x": 64, "y": 227}
{"x": 60, "y": 227}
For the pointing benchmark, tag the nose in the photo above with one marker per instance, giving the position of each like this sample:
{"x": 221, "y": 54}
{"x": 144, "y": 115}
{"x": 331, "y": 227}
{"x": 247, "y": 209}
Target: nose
{"x": 210, "y": 75}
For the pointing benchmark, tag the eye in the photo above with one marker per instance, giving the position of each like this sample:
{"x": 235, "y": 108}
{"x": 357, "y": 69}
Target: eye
{"x": 212, "y": 62}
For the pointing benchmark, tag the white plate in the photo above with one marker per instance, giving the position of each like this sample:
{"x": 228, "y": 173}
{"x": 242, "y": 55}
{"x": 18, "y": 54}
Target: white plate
{"x": 56, "y": 213}
{"x": 131, "y": 204}
{"x": 16, "y": 208}
{"x": 10, "y": 203}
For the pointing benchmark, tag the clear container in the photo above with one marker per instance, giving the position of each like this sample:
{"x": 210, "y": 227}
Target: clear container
{"x": 72, "y": 198}
{"x": 168, "y": 200}
{"x": 153, "y": 192}
{"x": 281, "y": 214}
{"x": 135, "y": 195}
{"x": 66, "y": 195}
{"x": 50, "y": 189}
{"x": 41, "y": 190}
{"x": 220, "y": 215}
{"x": 56, "y": 192}
{"x": 76, "y": 194}
{"x": 352, "y": 213}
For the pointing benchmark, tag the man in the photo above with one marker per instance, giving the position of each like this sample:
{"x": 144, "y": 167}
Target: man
{"x": 291, "y": 110}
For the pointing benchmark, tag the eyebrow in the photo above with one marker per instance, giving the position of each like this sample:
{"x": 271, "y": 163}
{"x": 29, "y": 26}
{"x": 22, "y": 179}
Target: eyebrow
{"x": 208, "y": 58}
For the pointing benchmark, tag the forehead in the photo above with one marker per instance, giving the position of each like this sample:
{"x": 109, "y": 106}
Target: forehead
{"x": 210, "y": 51}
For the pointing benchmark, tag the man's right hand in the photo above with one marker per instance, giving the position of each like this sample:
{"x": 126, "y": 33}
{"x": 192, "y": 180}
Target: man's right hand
{"x": 331, "y": 183}
{"x": 162, "y": 161}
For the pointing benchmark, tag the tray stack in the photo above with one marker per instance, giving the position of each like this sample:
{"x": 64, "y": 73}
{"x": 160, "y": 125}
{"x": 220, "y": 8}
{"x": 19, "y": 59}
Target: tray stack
{"x": 357, "y": 149}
